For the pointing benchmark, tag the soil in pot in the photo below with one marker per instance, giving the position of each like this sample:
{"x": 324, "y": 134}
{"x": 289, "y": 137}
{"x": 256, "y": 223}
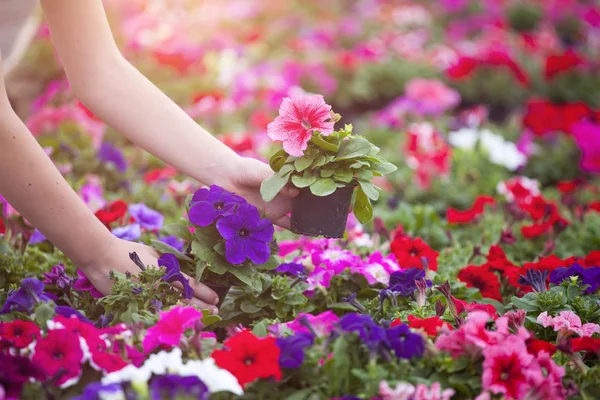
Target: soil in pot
{"x": 321, "y": 216}
{"x": 220, "y": 290}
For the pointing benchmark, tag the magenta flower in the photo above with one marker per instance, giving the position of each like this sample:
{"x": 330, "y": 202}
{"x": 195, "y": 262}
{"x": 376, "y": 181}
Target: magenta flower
{"x": 321, "y": 324}
{"x": 587, "y": 137}
{"x": 335, "y": 259}
{"x": 147, "y": 218}
{"x": 298, "y": 118}
{"x": 247, "y": 235}
{"x": 567, "y": 323}
{"x": 377, "y": 268}
{"x": 59, "y": 354}
{"x": 85, "y": 285}
{"x": 319, "y": 277}
{"x": 170, "y": 327}
{"x": 431, "y": 96}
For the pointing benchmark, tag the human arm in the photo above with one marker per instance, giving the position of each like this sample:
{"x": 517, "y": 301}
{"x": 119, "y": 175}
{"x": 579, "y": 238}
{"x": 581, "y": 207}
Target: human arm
{"x": 32, "y": 184}
{"x": 119, "y": 94}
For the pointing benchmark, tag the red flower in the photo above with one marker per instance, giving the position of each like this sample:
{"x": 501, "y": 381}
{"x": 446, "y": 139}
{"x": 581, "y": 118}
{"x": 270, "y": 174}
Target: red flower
{"x": 239, "y": 143}
{"x": 543, "y": 116}
{"x": 87, "y": 112}
{"x": 2, "y": 227}
{"x": 567, "y": 186}
{"x": 19, "y": 333}
{"x": 549, "y": 264}
{"x": 483, "y": 279}
{"x": 463, "y": 68}
{"x": 159, "y": 174}
{"x": 215, "y": 95}
{"x": 410, "y": 253}
{"x": 249, "y": 358}
{"x": 593, "y": 259}
{"x": 455, "y": 216}
{"x": 107, "y": 362}
{"x": 112, "y": 212}
{"x": 557, "y": 64}
{"x": 595, "y": 206}
{"x": 463, "y": 306}
{"x": 87, "y": 331}
{"x": 59, "y": 351}
{"x": 501, "y": 59}
{"x": 538, "y": 208}
{"x": 586, "y": 344}
{"x": 536, "y": 346}
{"x": 431, "y": 325}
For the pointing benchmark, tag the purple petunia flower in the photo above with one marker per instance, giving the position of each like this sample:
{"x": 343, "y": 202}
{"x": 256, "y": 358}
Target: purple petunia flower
{"x": 58, "y": 276}
{"x": 69, "y": 312}
{"x": 172, "y": 241}
{"x": 371, "y": 334}
{"x": 129, "y": 232}
{"x": 405, "y": 343}
{"x": 147, "y": 218}
{"x": 36, "y": 238}
{"x": 112, "y": 155}
{"x": 587, "y": 276}
{"x": 173, "y": 273}
{"x": 247, "y": 236}
{"x": 99, "y": 391}
{"x": 173, "y": 386}
{"x": 85, "y": 285}
{"x": 291, "y": 349}
{"x": 294, "y": 269}
{"x": 26, "y": 297}
{"x": 534, "y": 278}
{"x": 403, "y": 282}
{"x": 208, "y": 205}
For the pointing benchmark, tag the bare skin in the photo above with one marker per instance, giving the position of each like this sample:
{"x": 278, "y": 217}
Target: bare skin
{"x": 119, "y": 94}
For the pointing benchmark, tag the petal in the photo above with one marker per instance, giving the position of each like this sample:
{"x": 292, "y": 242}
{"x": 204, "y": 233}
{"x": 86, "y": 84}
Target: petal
{"x": 203, "y": 213}
{"x": 263, "y": 231}
{"x": 229, "y": 226}
{"x": 235, "y": 251}
{"x": 258, "y": 252}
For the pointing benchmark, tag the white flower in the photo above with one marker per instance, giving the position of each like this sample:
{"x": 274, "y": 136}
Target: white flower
{"x": 130, "y": 373}
{"x": 464, "y": 138}
{"x": 165, "y": 362}
{"x": 215, "y": 378}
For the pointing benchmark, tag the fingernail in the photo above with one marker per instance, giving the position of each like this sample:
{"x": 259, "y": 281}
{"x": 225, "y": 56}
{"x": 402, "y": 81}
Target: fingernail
{"x": 216, "y": 300}
{"x": 214, "y": 310}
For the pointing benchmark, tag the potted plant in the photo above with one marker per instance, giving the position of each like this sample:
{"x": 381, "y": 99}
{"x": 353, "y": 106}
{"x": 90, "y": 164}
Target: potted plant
{"x": 226, "y": 241}
{"x": 326, "y": 165}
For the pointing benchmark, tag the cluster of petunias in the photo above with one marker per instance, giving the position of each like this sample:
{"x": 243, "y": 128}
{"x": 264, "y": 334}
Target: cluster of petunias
{"x": 247, "y": 236}
{"x": 510, "y": 367}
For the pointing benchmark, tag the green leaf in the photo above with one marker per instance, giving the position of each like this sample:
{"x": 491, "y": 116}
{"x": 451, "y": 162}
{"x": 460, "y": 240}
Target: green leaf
{"x": 327, "y": 173}
{"x": 353, "y": 148}
{"x": 218, "y": 264}
{"x": 272, "y": 186}
{"x": 303, "y": 394}
{"x": 343, "y": 176}
{"x": 261, "y": 329}
{"x": 323, "y": 187}
{"x": 302, "y": 163}
{"x": 294, "y": 299}
{"x": 247, "y": 276}
{"x": 324, "y": 145}
{"x": 43, "y": 313}
{"x": 364, "y": 174}
{"x": 179, "y": 230}
{"x": 303, "y": 181}
{"x": 249, "y": 307}
{"x": 201, "y": 250}
{"x": 381, "y": 166}
{"x": 277, "y": 160}
{"x": 363, "y": 210}
{"x": 165, "y": 248}
{"x": 200, "y": 267}
{"x": 369, "y": 189}
{"x": 286, "y": 169}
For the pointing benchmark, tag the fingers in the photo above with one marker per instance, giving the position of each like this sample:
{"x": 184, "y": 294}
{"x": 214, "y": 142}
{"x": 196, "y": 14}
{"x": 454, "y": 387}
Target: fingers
{"x": 284, "y": 222}
{"x": 203, "y": 292}
{"x": 289, "y": 191}
{"x": 202, "y": 305}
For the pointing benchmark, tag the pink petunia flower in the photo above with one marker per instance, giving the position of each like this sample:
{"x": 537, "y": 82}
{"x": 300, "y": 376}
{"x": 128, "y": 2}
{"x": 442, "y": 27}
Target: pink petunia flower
{"x": 567, "y": 323}
{"x": 587, "y": 137}
{"x": 85, "y": 285}
{"x": 298, "y": 118}
{"x": 171, "y": 327}
{"x": 432, "y": 96}
{"x": 322, "y": 324}
{"x": 334, "y": 258}
{"x": 471, "y": 338}
{"x": 377, "y": 268}
{"x": 59, "y": 354}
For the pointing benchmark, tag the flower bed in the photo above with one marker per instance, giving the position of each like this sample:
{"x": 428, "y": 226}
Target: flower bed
{"x": 470, "y": 272}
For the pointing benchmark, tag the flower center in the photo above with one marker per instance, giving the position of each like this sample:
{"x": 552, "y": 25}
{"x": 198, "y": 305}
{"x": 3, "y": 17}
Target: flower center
{"x": 413, "y": 251}
{"x": 249, "y": 360}
{"x": 243, "y": 232}
{"x": 219, "y": 205}
{"x": 17, "y": 331}
{"x": 305, "y": 124}
{"x": 57, "y": 355}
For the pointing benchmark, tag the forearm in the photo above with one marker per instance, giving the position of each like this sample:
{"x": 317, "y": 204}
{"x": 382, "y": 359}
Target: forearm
{"x": 32, "y": 184}
{"x": 130, "y": 103}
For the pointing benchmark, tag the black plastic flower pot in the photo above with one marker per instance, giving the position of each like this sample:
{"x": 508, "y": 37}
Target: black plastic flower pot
{"x": 220, "y": 290}
{"x": 321, "y": 216}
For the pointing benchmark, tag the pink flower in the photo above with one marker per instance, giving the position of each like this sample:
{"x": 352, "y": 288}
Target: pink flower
{"x": 427, "y": 153}
{"x": 298, "y": 118}
{"x": 91, "y": 194}
{"x": 377, "y": 268}
{"x": 171, "y": 327}
{"x": 423, "y": 392}
{"x": 319, "y": 277}
{"x": 334, "y": 258}
{"x": 402, "y": 391}
{"x": 432, "y": 95}
{"x": 406, "y": 391}
{"x": 321, "y": 324}
{"x": 59, "y": 352}
{"x": 549, "y": 385}
{"x": 85, "y": 285}
{"x": 567, "y": 323}
{"x": 587, "y": 137}
{"x": 507, "y": 367}
{"x": 471, "y": 338}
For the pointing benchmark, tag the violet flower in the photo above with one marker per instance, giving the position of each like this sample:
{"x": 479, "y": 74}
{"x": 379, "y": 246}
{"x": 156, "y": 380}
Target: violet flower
{"x": 587, "y": 276}
{"x": 36, "y": 238}
{"x": 129, "y": 232}
{"x": 292, "y": 349}
{"x": 99, "y": 391}
{"x": 58, "y": 276}
{"x": 147, "y": 218}
{"x": 26, "y": 297}
{"x": 85, "y": 285}
{"x": 173, "y": 386}
{"x": 15, "y": 372}
{"x": 208, "y": 205}
{"x": 172, "y": 241}
{"x": 247, "y": 235}
{"x": 536, "y": 279}
{"x": 69, "y": 312}
{"x": 294, "y": 269}
{"x": 371, "y": 334}
{"x": 109, "y": 154}
{"x": 173, "y": 273}
{"x": 404, "y": 343}
{"x": 404, "y": 282}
